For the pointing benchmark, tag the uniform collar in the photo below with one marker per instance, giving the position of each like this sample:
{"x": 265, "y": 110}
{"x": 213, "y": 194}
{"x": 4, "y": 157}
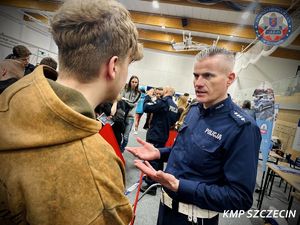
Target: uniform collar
{"x": 220, "y": 107}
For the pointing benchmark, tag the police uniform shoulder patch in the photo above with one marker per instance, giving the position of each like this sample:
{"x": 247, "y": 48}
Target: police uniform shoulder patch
{"x": 239, "y": 118}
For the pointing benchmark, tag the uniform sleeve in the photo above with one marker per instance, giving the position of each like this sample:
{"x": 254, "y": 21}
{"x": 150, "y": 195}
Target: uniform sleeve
{"x": 164, "y": 154}
{"x": 153, "y": 107}
{"x": 240, "y": 167}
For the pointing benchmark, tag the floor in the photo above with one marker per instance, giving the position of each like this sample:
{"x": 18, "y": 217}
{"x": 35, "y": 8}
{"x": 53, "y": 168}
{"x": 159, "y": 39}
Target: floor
{"x": 147, "y": 208}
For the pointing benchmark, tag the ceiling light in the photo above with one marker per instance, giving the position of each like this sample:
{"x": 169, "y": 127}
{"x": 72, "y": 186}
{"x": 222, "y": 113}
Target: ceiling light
{"x": 155, "y": 4}
{"x": 187, "y": 44}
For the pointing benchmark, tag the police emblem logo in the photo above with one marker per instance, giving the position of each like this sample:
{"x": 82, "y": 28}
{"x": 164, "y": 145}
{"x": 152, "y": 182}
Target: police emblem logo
{"x": 273, "y": 26}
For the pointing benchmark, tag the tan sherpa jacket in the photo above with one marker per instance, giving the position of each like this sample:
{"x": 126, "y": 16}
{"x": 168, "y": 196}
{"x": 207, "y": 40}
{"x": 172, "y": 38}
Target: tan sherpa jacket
{"x": 55, "y": 169}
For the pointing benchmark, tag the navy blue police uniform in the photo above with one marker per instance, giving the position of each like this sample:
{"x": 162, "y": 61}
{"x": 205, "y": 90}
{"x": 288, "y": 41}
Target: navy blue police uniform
{"x": 215, "y": 158}
{"x": 165, "y": 115}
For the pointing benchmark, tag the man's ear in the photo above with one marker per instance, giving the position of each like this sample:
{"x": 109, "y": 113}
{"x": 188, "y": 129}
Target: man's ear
{"x": 112, "y": 67}
{"x": 231, "y": 78}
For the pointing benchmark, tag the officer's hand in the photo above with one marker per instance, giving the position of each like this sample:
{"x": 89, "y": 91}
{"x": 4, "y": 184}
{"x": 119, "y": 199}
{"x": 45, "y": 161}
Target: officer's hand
{"x": 165, "y": 179}
{"x": 146, "y": 152}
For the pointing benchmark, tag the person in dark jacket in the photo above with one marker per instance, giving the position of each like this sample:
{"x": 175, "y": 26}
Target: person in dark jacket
{"x": 155, "y": 94}
{"x": 165, "y": 115}
{"x": 118, "y": 116}
{"x": 212, "y": 165}
{"x": 115, "y": 112}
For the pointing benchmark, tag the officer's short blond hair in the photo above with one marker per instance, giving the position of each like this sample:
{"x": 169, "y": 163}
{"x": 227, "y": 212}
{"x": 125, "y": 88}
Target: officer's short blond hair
{"x": 213, "y": 51}
{"x": 89, "y": 32}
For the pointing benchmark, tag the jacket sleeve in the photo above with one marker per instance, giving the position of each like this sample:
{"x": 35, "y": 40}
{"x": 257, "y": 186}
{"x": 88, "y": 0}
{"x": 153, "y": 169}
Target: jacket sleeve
{"x": 240, "y": 169}
{"x": 154, "y": 106}
{"x": 110, "y": 186}
{"x": 164, "y": 153}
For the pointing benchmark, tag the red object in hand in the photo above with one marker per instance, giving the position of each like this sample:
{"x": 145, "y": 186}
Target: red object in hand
{"x": 108, "y": 134}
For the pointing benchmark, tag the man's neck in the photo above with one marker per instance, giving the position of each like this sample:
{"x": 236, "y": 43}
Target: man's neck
{"x": 91, "y": 91}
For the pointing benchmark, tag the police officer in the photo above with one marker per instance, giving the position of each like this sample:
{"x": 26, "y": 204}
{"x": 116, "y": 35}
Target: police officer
{"x": 213, "y": 163}
{"x": 165, "y": 115}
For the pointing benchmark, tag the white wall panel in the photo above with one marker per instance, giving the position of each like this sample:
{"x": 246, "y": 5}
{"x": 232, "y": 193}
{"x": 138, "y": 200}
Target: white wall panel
{"x": 6, "y": 26}
{"x": 161, "y": 69}
{"x": 15, "y": 31}
{"x": 36, "y": 38}
{"x": 268, "y": 69}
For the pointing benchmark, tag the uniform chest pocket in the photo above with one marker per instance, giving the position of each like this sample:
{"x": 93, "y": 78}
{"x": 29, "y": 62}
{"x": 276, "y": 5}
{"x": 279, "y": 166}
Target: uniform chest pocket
{"x": 205, "y": 153}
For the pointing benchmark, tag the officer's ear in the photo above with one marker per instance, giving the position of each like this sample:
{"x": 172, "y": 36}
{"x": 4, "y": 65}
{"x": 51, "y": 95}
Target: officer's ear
{"x": 230, "y": 78}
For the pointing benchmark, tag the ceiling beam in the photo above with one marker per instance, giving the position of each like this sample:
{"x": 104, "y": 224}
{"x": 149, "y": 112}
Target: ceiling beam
{"x": 32, "y": 4}
{"x": 223, "y": 6}
{"x": 206, "y": 26}
{"x": 219, "y": 6}
{"x": 52, "y": 6}
{"x": 153, "y": 19}
{"x": 280, "y": 52}
{"x": 165, "y": 48}
{"x": 37, "y": 16}
{"x": 162, "y": 37}
{"x": 278, "y": 3}
{"x": 157, "y": 36}
{"x": 286, "y": 53}
{"x": 167, "y": 38}
{"x": 296, "y": 41}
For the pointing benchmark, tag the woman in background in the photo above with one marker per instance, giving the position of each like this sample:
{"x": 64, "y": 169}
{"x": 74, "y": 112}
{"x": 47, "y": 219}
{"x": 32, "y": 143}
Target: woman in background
{"x": 182, "y": 103}
{"x": 131, "y": 95}
{"x": 139, "y": 110}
